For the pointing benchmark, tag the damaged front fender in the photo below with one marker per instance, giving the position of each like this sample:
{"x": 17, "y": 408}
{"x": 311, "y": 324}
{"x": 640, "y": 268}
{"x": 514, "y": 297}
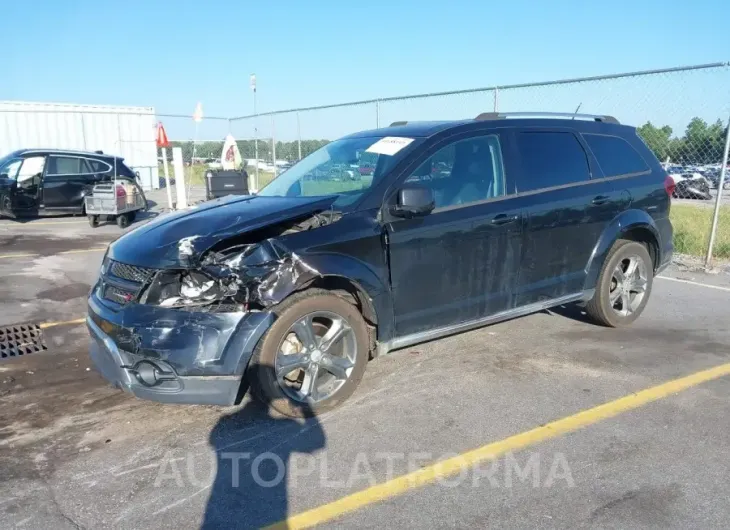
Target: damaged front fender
{"x": 253, "y": 276}
{"x": 265, "y": 272}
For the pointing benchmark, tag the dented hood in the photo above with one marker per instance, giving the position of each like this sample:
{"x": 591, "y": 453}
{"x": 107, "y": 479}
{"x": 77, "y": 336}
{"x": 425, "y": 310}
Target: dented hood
{"x": 156, "y": 244}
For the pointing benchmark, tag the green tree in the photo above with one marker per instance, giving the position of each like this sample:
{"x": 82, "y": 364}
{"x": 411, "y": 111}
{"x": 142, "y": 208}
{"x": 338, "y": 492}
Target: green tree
{"x": 701, "y": 144}
{"x": 659, "y": 139}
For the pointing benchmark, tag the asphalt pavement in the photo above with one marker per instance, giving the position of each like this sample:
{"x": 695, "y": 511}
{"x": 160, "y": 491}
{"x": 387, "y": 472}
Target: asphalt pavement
{"x": 76, "y": 453}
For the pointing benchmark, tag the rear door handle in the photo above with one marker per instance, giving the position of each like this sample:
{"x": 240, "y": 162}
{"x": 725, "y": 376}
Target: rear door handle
{"x": 503, "y": 219}
{"x": 600, "y": 199}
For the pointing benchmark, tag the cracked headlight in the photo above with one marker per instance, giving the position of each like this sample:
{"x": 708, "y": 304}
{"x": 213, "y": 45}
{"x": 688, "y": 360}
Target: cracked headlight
{"x": 183, "y": 288}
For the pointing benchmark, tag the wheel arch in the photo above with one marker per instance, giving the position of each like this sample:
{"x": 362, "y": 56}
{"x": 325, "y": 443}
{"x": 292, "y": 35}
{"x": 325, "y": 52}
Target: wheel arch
{"x": 350, "y": 289}
{"x": 367, "y": 287}
{"x": 632, "y": 225}
{"x": 346, "y": 276}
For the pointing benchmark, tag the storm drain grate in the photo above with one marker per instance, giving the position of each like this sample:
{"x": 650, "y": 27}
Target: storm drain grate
{"x": 21, "y": 340}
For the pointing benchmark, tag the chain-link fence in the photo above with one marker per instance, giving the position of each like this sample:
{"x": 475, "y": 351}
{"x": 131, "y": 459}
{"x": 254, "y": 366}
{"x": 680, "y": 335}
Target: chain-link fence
{"x": 681, "y": 113}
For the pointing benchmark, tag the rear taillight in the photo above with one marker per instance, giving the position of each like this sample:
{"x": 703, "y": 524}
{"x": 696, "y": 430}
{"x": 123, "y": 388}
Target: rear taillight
{"x": 121, "y": 192}
{"x": 669, "y": 185}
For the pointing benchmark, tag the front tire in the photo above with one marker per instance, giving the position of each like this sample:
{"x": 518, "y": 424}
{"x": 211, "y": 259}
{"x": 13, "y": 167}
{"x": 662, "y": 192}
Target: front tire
{"x": 624, "y": 285}
{"x": 313, "y": 356}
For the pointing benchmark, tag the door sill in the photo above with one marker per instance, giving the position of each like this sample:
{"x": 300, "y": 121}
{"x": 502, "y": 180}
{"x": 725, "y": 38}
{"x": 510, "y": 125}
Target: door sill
{"x": 431, "y": 334}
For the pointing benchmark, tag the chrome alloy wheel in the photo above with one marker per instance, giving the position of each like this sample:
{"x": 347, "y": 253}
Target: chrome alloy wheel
{"x": 628, "y": 285}
{"x": 316, "y": 357}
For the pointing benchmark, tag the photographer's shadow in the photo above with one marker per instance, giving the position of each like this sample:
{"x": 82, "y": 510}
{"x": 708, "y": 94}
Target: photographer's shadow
{"x": 253, "y": 448}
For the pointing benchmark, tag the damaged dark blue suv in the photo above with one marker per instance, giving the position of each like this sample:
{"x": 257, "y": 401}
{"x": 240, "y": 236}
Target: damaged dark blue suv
{"x": 377, "y": 241}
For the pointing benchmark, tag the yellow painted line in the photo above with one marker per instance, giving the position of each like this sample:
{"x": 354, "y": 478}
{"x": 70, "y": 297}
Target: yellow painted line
{"x": 32, "y": 255}
{"x": 455, "y": 465}
{"x": 83, "y": 250}
{"x": 3, "y": 256}
{"x": 45, "y": 325}
{"x": 26, "y": 225}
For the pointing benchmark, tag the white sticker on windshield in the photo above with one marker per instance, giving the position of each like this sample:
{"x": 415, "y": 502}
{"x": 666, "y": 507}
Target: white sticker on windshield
{"x": 389, "y": 145}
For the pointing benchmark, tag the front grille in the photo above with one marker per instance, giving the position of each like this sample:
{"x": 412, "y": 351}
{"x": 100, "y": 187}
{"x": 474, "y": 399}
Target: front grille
{"x": 131, "y": 273}
{"x": 117, "y": 295}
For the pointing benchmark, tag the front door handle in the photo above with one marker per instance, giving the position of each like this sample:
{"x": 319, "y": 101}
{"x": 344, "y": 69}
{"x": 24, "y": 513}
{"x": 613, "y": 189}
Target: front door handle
{"x": 503, "y": 219}
{"x": 600, "y": 199}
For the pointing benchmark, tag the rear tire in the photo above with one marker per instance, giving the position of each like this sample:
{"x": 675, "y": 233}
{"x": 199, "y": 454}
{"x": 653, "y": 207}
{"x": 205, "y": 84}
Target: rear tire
{"x": 93, "y": 221}
{"x": 123, "y": 220}
{"x": 285, "y": 393}
{"x": 624, "y": 285}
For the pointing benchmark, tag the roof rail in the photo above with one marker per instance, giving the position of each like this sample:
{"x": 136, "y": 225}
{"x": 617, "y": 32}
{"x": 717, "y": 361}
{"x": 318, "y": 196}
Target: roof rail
{"x": 503, "y": 115}
{"x": 397, "y": 123}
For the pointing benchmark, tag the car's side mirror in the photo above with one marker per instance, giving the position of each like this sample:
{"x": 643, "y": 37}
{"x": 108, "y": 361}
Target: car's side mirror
{"x": 413, "y": 201}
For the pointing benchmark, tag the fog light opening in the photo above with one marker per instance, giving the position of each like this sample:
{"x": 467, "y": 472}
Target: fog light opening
{"x": 147, "y": 373}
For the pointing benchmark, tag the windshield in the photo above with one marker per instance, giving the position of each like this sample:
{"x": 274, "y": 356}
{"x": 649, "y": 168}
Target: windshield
{"x": 346, "y": 167}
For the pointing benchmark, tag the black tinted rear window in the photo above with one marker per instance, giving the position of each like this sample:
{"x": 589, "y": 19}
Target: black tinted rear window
{"x": 123, "y": 170}
{"x": 615, "y": 155}
{"x": 97, "y": 166}
{"x": 550, "y": 159}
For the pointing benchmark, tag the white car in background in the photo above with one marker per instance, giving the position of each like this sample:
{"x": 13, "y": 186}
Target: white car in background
{"x": 691, "y": 185}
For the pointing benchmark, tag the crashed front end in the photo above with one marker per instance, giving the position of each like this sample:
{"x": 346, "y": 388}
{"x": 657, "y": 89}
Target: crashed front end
{"x": 185, "y": 334}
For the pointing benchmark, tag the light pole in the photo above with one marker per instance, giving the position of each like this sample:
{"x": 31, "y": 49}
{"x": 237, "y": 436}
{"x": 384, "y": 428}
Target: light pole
{"x": 255, "y": 131}
{"x": 273, "y": 143}
{"x": 299, "y": 139}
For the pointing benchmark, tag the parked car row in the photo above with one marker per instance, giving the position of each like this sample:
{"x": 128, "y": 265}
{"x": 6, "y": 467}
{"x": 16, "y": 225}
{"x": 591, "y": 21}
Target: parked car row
{"x": 695, "y": 182}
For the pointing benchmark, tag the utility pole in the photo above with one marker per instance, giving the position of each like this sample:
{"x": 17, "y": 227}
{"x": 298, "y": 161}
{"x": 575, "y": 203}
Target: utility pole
{"x": 273, "y": 144}
{"x": 718, "y": 199}
{"x": 299, "y": 138}
{"x": 255, "y": 131}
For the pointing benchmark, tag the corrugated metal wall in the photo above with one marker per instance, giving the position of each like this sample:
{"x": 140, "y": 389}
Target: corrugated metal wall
{"x": 125, "y": 131}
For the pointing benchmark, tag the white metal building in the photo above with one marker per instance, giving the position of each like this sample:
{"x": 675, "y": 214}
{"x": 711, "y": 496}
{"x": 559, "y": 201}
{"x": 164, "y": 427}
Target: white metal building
{"x": 125, "y": 131}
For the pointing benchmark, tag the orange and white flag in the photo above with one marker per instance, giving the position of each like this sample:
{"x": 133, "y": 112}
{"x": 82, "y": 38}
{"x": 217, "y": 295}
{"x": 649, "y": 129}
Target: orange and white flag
{"x": 198, "y": 114}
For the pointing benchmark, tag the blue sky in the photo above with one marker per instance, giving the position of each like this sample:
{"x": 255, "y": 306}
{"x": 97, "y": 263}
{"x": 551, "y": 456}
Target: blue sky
{"x": 172, "y": 54}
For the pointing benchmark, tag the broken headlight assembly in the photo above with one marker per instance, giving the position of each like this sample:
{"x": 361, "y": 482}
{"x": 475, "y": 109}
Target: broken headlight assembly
{"x": 240, "y": 278}
{"x": 182, "y": 289}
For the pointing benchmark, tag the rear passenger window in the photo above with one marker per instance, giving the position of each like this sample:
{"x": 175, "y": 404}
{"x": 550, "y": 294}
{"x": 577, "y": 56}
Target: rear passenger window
{"x": 98, "y": 166}
{"x": 615, "y": 155}
{"x": 550, "y": 159}
{"x": 61, "y": 165}
{"x": 86, "y": 167}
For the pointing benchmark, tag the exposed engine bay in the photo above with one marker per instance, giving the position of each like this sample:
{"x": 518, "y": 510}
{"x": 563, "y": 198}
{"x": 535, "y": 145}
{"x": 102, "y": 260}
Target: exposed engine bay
{"x": 241, "y": 277}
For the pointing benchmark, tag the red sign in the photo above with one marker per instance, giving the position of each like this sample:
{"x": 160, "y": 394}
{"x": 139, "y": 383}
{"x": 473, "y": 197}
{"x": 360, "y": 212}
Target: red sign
{"x": 161, "y": 136}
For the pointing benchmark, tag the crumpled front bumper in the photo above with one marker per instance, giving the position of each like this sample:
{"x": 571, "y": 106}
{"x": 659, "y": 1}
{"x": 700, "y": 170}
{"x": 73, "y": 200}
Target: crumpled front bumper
{"x": 174, "y": 356}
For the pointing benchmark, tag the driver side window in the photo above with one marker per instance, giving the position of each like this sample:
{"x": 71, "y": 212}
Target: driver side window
{"x": 463, "y": 172}
{"x": 30, "y": 172}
